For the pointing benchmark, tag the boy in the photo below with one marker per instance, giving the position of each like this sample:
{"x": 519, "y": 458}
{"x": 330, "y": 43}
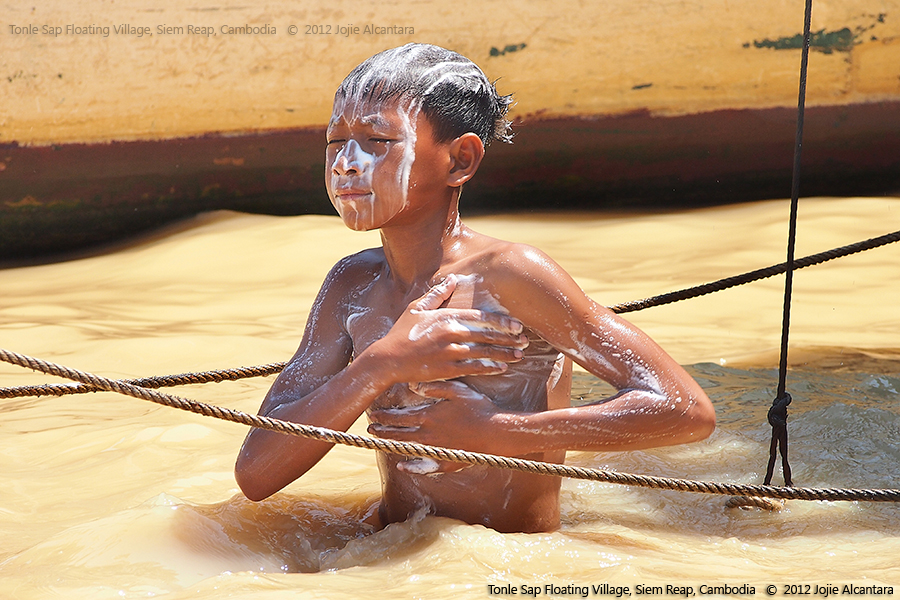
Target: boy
{"x": 447, "y": 337}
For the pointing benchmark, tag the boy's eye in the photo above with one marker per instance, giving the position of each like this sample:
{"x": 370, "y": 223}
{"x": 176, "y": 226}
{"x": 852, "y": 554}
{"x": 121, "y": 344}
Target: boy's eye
{"x": 378, "y": 140}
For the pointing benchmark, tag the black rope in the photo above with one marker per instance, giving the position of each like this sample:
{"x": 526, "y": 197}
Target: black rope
{"x": 778, "y": 412}
{"x": 756, "y": 275}
{"x": 777, "y": 418}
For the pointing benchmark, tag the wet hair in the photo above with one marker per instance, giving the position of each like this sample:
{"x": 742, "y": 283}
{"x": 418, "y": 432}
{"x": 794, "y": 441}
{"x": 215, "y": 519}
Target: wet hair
{"x": 451, "y": 90}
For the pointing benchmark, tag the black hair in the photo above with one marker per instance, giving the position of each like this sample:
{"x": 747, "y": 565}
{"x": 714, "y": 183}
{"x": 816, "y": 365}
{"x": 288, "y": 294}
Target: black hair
{"x": 455, "y": 94}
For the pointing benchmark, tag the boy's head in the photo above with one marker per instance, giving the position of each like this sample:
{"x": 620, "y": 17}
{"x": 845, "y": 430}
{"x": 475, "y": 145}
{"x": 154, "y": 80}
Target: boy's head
{"x": 377, "y": 164}
{"x": 452, "y": 92}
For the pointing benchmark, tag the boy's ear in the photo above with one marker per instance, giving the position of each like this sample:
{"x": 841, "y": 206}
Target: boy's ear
{"x": 466, "y": 153}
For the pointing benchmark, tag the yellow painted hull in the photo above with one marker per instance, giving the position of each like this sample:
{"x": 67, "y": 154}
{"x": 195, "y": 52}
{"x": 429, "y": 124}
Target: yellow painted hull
{"x": 166, "y": 110}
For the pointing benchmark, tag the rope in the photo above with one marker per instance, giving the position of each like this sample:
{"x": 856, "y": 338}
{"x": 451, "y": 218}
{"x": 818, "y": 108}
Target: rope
{"x": 421, "y": 450}
{"x": 748, "y": 502}
{"x": 777, "y": 418}
{"x": 778, "y": 414}
{"x": 155, "y": 382}
{"x": 751, "y": 276}
{"x": 61, "y": 389}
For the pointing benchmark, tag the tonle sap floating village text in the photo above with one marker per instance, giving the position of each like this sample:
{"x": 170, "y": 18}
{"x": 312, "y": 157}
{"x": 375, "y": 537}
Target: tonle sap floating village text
{"x": 686, "y": 591}
{"x": 204, "y": 30}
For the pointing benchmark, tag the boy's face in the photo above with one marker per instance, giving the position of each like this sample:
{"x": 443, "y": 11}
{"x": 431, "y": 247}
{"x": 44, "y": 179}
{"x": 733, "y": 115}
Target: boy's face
{"x": 369, "y": 161}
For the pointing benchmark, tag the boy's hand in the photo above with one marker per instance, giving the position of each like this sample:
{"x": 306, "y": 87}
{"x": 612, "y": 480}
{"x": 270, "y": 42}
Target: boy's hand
{"x": 429, "y": 343}
{"x": 457, "y": 417}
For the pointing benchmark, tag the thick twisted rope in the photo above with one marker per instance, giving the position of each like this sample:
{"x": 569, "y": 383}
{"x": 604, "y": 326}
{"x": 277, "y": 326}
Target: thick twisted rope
{"x": 748, "y": 502}
{"x": 437, "y": 453}
{"x": 61, "y": 389}
{"x": 155, "y": 382}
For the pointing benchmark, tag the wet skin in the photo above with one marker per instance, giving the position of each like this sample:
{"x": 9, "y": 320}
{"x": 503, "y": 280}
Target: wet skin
{"x": 451, "y": 338}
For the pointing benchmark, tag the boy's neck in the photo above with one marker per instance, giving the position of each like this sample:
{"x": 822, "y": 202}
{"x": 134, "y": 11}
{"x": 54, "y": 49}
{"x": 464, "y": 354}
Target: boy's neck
{"x": 416, "y": 250}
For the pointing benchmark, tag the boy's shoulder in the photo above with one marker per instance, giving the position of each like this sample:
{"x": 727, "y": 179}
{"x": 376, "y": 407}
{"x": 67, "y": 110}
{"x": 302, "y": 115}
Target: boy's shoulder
{"x": 503, "y": 258}
{"x": 355, "y": 270}
{"x": 361, "y": 263}
{"x": 523, "y": 278}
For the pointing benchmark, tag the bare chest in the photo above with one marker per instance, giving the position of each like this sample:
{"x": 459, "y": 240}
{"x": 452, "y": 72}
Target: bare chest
{"x": 523, "y": 387}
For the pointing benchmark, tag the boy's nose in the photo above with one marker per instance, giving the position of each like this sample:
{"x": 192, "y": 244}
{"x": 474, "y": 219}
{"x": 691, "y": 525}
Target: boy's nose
{"x": 351, "y": 159}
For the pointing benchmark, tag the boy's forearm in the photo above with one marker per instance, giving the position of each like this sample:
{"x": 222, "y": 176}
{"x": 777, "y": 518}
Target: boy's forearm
{"x": 633, "y": 420}
{"x": 268, "y": 461}
{"x": 340, "y": 401}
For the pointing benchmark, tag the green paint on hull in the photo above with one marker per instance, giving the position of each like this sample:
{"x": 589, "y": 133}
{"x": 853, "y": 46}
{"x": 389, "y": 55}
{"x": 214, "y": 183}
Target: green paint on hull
{"x": 823, "y": 41}
{"x": 827, "y": 42}
{"x": 507, "y": 49}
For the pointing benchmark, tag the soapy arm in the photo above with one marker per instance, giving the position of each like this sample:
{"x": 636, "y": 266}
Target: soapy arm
{"x": 657, "y": 402}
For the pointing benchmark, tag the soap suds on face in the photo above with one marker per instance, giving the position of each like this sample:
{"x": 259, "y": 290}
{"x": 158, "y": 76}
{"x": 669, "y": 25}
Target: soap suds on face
{"x": 362, "y": 199}
{"x": 384, "y": 81}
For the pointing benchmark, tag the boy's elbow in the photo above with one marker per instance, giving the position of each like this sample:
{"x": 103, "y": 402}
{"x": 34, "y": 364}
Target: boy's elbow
{"x": 702, "y": 419}
{"x": 253, "y": 486}
{"x": 260, "y": 474}
{"x": 250, "y": 489}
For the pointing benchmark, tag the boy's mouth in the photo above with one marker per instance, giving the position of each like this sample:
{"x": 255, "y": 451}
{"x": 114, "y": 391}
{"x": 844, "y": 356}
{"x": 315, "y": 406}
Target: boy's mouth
{"x": 352, "y": 195}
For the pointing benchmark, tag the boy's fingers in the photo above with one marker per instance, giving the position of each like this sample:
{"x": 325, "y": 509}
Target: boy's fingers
{"x": 464, "y": 333}
{"x": 447, "y": 390}
{"x": 437, "y": 294}
{"x": 492, "y": 321}
{"x": 497, "y": 338}
{"x": 396, "y": 419}
{"x": 481, "y": 366}
{"x": 488, "y": 353}
{"x": 384, "y": 428}
{"x": 476, "y": 326}
{"x": 469, "y": 318}
{"x": 494, "y": 354}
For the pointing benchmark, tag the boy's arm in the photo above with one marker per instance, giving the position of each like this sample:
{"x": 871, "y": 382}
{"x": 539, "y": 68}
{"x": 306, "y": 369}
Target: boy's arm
{"x": 268, "y": 461}
{"x": 320, "y": 386}
{"x": 657, "y": 404}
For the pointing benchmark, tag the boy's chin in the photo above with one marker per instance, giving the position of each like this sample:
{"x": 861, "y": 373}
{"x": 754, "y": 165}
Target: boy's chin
{"x": 365, "y": 221}
{"x": 358, "y": 223}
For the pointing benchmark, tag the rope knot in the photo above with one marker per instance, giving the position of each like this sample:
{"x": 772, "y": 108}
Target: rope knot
{"x": 778, "y": 414}
{"x": 778, "y": 420}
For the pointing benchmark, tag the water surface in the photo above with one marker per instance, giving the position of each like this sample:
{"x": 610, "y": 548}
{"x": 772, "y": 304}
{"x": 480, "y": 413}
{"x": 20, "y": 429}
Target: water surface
{"x": 106, "y": 496}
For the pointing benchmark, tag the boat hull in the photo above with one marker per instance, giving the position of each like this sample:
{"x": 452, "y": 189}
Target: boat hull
{"x": 618, "y": 104}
